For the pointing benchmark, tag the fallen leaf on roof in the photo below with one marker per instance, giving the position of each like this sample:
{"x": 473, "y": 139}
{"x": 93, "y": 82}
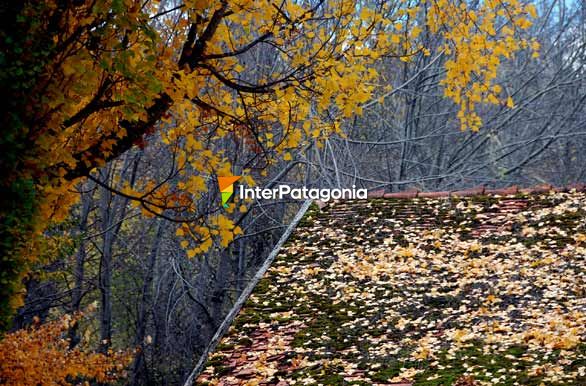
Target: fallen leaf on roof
{"x": 478, "y": 290}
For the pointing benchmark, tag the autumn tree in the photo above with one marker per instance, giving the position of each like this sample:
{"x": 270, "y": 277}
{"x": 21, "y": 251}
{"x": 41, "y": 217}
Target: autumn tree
{"x": 87, "y": 80}
{"x": 408, "y": 138}
{"x": 41, "y": 355}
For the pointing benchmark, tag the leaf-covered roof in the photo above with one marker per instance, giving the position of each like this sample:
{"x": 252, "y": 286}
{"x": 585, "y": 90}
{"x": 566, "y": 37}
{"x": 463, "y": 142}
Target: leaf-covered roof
{"x": 484, "y": 290}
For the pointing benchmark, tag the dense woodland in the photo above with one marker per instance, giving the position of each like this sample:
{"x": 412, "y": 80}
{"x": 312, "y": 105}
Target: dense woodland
{"x": 120, "y": 114}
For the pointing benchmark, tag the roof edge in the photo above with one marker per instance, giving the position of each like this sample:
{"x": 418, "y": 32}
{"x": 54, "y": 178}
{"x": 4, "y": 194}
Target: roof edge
{"x": 227, "y": 322}
{"x": 478, "y": 191}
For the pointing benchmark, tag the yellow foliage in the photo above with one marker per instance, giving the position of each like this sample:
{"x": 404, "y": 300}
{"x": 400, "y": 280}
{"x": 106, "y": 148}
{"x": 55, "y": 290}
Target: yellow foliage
{"x": 475, "y": 49}
{"x": 41, "y": 356}
{"x": 106, "y": 88}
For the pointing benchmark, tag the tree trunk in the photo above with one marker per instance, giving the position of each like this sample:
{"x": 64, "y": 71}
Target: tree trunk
{"x": 105, "y": 280}
{"x": 80, "y": 257}
{"x": 139, "y": 370}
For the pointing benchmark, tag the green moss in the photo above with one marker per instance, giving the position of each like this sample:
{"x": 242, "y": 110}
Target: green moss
{"x": 262, "y": 286}
{"x": 326, "y": 375}
{"x": 452, "y": 369}
{"x": 388, "y": 371}
{"x": 327, "y": 322}
{"x": 245, "y": 341}
{"x": 308, "y": 219}
{"x": 331, "y": 330}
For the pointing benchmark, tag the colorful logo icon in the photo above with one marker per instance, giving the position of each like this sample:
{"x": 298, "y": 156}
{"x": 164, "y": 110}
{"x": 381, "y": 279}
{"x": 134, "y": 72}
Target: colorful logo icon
{"x": 226, "y": 185}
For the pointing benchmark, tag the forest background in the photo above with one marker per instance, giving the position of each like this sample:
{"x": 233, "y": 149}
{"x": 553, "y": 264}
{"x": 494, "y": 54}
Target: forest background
{"x": 119, "y": 115}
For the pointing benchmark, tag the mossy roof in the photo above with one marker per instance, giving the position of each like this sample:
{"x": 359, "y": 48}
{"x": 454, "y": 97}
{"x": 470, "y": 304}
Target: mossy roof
{"x": 483, "y": 290}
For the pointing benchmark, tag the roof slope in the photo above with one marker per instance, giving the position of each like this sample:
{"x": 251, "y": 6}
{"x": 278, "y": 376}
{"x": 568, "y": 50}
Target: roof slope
{"x": 484, "y": 290}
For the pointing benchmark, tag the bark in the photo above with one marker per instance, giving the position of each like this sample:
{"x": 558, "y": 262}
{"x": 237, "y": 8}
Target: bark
{"x": 79, "y": 270}
{"x": 105, "y": 279}
{"x": 139, "y": 369}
